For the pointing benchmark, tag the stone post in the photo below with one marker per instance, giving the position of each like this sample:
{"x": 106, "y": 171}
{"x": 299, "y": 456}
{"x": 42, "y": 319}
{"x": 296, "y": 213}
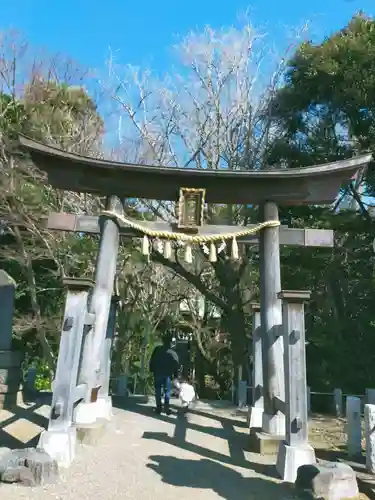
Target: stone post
{"x": 337, "y": 402}
{"x": 93, "y": 365}
{"x": 30, "y": 380}
{"x": 354, "y": 431}
{"x": 256, "y": 410}
{"x": 122, "y": 386}
{"x": 273, "y": 422}
{"x": 370, "y": 396}
{"x": 370, "y": 437}
{"x": 242, "y": 394}
{"x": 10, "y": 361}
{"x": 295, "y": 450}
{"x": 241, "y": 389}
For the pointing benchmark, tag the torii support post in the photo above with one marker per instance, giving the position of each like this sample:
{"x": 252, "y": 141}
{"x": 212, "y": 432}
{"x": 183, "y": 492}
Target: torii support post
{"x": 256, "y": 410}
{"x": 59, "y": 440}
{"x": 295, "y": 450}
{"x": 98, "y": 406}
{"x": 273, "y": 423}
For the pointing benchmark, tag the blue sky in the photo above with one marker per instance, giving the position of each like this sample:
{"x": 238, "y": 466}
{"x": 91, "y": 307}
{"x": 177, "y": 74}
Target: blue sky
{"x": 143, "y": 31}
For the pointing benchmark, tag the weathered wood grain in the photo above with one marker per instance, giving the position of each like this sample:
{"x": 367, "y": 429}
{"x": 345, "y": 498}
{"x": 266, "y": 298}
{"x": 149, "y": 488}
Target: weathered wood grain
{"x": 93, "y": 365}
{"x": 295, "y": 366}
{"x": 271, "y": 319}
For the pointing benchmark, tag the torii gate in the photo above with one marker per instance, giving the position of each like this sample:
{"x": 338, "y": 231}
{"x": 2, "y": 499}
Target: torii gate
{"x": 268, "y": 188}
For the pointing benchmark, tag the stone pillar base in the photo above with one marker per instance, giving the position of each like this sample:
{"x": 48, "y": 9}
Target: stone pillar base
{"x": 255, "y": 418}
{"x": 60, "y": 445}
{"x": 290, "y": 458}
{"x": 88, "y": 413}
{"x": 263, "y": 443}
{"x": 274, "y": 424}
{"x": 91, "y": 434}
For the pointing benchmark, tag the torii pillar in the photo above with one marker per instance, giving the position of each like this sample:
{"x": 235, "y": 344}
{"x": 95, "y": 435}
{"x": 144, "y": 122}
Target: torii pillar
{"x": 273, "y": 423}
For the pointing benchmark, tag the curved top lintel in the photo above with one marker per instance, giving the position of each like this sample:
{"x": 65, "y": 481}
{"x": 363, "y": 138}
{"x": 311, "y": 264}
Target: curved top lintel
{"x": 296, "y": 186}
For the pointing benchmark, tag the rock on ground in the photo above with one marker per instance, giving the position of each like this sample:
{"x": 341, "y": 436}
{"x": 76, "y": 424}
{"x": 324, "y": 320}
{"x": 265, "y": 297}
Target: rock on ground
{"x": 30, "y": 467}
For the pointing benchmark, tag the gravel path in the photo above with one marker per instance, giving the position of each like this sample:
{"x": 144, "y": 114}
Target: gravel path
{"x": 143, "y": 457}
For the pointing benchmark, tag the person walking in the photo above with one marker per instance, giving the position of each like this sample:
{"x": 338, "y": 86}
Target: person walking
{"x": 164, "y": 365}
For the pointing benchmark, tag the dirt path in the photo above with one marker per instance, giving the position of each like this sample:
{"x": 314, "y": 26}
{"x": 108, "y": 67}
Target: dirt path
{"x": 144, "y": 457}
{"x": 148, "y": 458}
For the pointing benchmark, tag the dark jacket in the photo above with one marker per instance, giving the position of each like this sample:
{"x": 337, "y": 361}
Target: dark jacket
{"x": 164, "y": 362}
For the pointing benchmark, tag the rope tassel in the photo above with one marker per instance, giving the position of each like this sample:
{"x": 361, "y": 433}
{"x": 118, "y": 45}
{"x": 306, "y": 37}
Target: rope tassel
{"x": 213, "y": 254}
{"x": 167, "y": 249}
{"x": 145, "y": 246}
{"x": 234, "y": 249}
{"x": 160, "y": 246}
{"x": 188, "y": 254}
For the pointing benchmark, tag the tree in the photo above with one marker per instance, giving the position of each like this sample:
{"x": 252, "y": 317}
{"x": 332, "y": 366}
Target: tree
{"x": 325, "y": 111}
{"x": 326, "y": 108}
{"x": 213, "y": 113}
{"x": 39, "y": 105}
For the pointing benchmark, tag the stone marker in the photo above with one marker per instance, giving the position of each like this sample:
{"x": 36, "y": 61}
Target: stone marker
{"x": 7, "y": 292}
{"x": 354, "y": 431}
{"x": 328, "y": 481}
{"x": 30, "y": 467}
{"x": 370, "y": 396}
{"x": 242, "y": 394}
{"x": 337, "y": 401}
{"x": 122, "y": 386}
{"x": 10, "y": 361}
{"x": 370, "y": 437}
{"x": 31, "y": 377}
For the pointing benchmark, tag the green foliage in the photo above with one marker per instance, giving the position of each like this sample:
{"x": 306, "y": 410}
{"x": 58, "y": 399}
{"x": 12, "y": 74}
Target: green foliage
{"x": 43, "y": 378}
{"x": 326, "y": 111}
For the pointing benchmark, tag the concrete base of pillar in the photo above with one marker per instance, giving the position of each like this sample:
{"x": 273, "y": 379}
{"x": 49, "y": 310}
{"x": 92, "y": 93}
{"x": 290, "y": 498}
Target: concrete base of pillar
{"x": 104, "y": 408}
{"x": 89, "y": 413}
{"x": 274, "y": 424}
{"x": 263, "y": 443}
{"x": 255, "y": 418}
{"x": 60, "y": 445}
{"x": 290, "y": 458}
{"x": 91, "y": 434}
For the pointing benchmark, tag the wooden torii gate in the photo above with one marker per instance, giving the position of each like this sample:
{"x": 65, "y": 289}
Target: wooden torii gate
{"x": 267, "y": 188}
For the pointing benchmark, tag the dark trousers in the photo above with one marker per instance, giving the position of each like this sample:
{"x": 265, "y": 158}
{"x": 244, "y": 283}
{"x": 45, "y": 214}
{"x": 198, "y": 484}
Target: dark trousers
{"x": 163, "y": 384}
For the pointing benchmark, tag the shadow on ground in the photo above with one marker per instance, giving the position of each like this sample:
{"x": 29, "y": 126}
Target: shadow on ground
{"x": 21, "y": 425}
{"x": 207, "y": 474}
{"x": 211, "y": 471}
